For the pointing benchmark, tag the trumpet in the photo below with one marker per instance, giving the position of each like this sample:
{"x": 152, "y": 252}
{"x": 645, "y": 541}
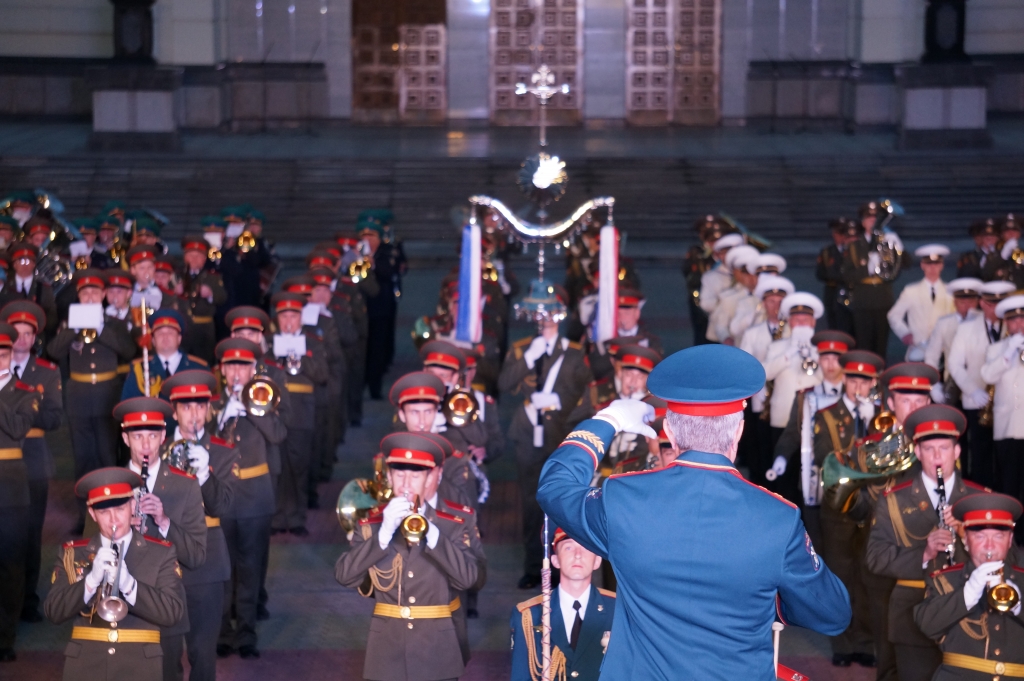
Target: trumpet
{"x": 359, "y": 269}
{"x": 261, "y": 395}
{"x": 808, "y": 364}
{"x": 1002, "y": 597}
{"x": 293, "y": 363}
{"x": 414, "y": 525}
{"x": 460, "y": 407}
{"x": 176, "y": 455}
{"x": 109, "y": 605}
{"x": 88, "y": 336}
{"x": 246, "y": 241}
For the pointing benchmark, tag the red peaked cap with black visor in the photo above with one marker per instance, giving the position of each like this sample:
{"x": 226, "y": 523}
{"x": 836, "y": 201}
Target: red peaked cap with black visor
{"x": 707, "y": 380}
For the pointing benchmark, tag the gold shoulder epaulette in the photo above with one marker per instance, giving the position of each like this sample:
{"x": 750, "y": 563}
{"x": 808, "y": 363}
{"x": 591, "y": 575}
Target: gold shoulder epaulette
{"x": 199, "y": 360}
{"x": 575, "y": 346}
{"x": 526, "y": 605}
{"x": 606, "y": 592}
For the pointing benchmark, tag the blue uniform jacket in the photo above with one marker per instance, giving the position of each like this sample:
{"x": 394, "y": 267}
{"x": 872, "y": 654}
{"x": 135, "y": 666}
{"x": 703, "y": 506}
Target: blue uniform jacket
{"x": 704, "y": 561}
{"x": 157, "y": 374}
{"x": 589, "y": 653}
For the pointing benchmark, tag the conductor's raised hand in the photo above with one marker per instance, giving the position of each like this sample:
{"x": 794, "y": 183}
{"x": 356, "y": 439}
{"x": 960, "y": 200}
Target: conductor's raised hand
{"x": 629, "y": 416}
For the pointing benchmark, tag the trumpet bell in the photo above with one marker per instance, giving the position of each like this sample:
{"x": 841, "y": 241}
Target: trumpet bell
{"x": 1002, "y": 597}
{"x": 246, "y": 242}
{"x": 261, "y": 396}
{"x": 112, "y": 609}
{"x": 460, "y": 408}
{"x": 883, "y": 421}
{"x": 414, "y": 528}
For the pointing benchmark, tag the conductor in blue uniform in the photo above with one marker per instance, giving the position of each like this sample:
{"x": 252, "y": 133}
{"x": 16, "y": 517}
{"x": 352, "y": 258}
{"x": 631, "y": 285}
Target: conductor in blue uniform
{"x": 705, "y": 561}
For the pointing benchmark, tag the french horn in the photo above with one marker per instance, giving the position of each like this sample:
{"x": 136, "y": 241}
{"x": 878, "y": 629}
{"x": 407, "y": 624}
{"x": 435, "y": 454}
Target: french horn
{"x": 871, "y": 462}
{"x": 460, "y": 407}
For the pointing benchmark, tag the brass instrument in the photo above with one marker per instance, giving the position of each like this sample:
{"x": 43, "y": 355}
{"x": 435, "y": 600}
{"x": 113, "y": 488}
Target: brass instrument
{"x": 246, "y": 242}
{"x": 890, "y": 257}
{"x": 490, "y": 272}
{"x": 261, "y": 395}
{"x": 119, "y": 252}
{"x": 88, "y": 336}
{"x": 460, "y": 407}
{"x": 808, "y": 364}
{"x": 422, "y": 331}
{"x": 985, "y": 413}
{"x": 293, "y": 364}
{"x": 109, "y": 605}
{"x": 883, "y": 421}
{"x": 214, "y": 255}
{"x": 940, "y": 509}
{"x": 843, "y": 474}
{"x": 359, "y": 269}
{"x": 414, "y": 526}
{"x": 1003, "y": 597}
{"x": 176, "y": 455}
{"x": 360, "y": 495}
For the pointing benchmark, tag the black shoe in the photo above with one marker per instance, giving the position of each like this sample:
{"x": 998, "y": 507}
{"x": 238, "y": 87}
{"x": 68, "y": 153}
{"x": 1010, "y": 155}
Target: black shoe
{"x": 864, "y": 660}
{"x": 299, "y": 531}
{"x": 7, "y": 655}
{"x": 262, "y": 614}
{"x": 31, "y": 616}
{"x": 224, "y": 650}
{"x": 248, "y": 652}
{"x": 839, "y": 660}
{"x": 529, "y": 581}
{"x": 472, "y": 613}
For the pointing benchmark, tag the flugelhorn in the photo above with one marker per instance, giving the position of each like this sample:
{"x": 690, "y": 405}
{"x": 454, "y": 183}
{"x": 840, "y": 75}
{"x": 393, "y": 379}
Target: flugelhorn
{"x": 109, "y": 606}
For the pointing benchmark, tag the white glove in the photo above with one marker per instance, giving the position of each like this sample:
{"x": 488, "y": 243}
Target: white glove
{"x": 127, "y": 586}
{"x": 629, "y": 416}
{"x": 394, "y": 513}
{"x": 199, "y": 459}
{"x": 102, "y": 566}
{"x": 538, "y": 346}
{"x": 983, "y": 576}
{"x": 1008, "y": 248}
{"x": 233, "y": 408}
{"x": 543, "y": 401}
{"x": 777, "y": 470}
{"x": 432, "y": 535}
{"x": 980, "y": 397}
{"x": 938, "y": 393}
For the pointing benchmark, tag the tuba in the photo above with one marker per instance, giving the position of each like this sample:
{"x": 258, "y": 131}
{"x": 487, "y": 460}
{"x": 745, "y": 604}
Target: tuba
{"x": 869, "y": 463}
{"x": 460, "y": 407}
{"x": 359, "y": 496}
{"x": 890, "y": 254}
{"x": 261, "y": 395}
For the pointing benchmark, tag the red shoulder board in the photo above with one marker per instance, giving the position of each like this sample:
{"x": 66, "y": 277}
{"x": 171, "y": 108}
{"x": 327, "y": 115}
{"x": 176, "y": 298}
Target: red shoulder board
{"x": 1017, "y": 568}
{"x": 449, "y": 516}
{"x": 458, "y": 454}
{"x": 309, "y": 353}
{"x": 77, "y": 543}
{"x": 897, "y": 488}
{"x": 25, "y": 386}
{"x": 46, "y": 364}
{"x": 271, "y": 363}
{"x": 161, "y": 542}
{"x": 952, "y": 568}
{"x": 178, "y": 471}
{"x": 220, "y": 442}
{"x": 369, "y": 520}
{"x": 974, "y": 485}
{"x": 459, "y": 507}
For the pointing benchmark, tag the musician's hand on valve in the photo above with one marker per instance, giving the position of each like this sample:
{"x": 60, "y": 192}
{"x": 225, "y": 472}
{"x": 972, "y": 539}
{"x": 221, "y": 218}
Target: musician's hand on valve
{"x": 985, "y": 575}
{"x": 777, "y": 470}
{"x": 538, "y": 346}
{"x": 102, "y": 567}
{"x": 394, "y": 513}
{"x": 629, "y": 416}
{"x": 233, "y": 408}
{"x": 199, "y": 460}
{"x": 938, "y": 540}
{"x": 980, "y": 397}
{"x": 151, "y": 505}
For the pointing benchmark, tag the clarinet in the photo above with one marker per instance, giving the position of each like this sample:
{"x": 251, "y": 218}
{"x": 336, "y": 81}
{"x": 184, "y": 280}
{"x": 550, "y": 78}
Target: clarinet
{"x": 138, "y": 495}
{"x": 940, "y": 509}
